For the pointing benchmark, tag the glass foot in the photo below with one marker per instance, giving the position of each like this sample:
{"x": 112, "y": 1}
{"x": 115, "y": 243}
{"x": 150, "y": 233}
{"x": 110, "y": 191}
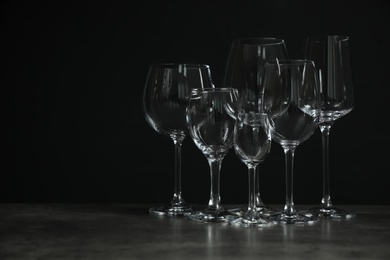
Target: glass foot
{"x": 331, "y": 212}
{"x": 171, "y": 210}
{"x": 297, "y": 218}
{"x": 263, "y": 210}
{"x": 250, "y": 220}
{"x": 207, "y": 216}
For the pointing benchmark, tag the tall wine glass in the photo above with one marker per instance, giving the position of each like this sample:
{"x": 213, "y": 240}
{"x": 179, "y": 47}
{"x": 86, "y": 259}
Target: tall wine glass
{"x": 292, "y": 100}
{"x": 252, "y": 144}
{"x": 165, "y": 101}
{"x": 332, "y": 58}
{"x": 244, "y": 71}
{"x": 211, "y": 125}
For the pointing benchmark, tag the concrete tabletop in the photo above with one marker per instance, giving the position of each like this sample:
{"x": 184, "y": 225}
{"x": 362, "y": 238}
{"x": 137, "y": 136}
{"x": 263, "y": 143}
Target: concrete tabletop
{"x": 127, "y": 231}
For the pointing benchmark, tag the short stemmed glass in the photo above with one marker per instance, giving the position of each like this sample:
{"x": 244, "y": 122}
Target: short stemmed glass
{"x": 332, "y": 58}
{"x": 211, "y": 125}
{"x": 252, "y": 144}
{"x": 291, "y": 98}
{"x": 165, "y": 101}
{"x": 244, "y": 71}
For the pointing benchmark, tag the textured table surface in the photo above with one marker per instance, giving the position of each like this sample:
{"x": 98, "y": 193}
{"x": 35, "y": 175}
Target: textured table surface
{"x": 121, "y": 231}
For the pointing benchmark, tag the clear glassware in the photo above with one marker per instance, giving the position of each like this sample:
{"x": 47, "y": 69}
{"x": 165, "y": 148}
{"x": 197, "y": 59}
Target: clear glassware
{"x": 332, "y": 58}
{"x": 211, "y": 126}
{"x": 291, "y": 98}
{"x": 244, "y": 71}
{"x": 252, "y": 144}
{"x": 165, "y": 101}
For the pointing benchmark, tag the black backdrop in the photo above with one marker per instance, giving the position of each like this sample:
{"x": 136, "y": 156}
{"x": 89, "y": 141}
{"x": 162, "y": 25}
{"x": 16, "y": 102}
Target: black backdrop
{"x": 71, "y": 94}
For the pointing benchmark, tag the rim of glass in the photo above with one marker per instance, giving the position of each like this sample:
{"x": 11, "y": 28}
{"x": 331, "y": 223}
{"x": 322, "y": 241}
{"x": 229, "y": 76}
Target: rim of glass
{"x": 213, "y": 89}
{"x": 180, "y": 64}
{"x": 324, "y": 37}
{"x": 259, "y": 40}
{"x": 290, "y": 62}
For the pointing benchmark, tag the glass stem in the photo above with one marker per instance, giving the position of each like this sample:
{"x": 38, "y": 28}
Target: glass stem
{"x": 215, "y": 198}
{"x": 253, "y": 183}
{"x": 259, "y": 202}
{"x": 325, "y": 131}
{"x": 177, "y": 199}
{"x": 289, "y": 208}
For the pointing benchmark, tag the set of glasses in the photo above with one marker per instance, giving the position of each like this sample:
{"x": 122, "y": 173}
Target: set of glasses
{"x": 266, "y": 97}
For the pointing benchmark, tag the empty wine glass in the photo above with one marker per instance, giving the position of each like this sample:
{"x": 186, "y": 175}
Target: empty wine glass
{"x": 332, "y": 58}
{"x": 291, "y": 98}
{"x": 244, "y": 71}
{"x": 252, "y": 144}
{"x": 211, "y": 125}
{"x": 165, "y": 101}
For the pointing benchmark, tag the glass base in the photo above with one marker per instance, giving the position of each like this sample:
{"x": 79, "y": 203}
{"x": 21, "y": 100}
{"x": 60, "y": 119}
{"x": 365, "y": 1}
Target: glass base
{"x": 297, "y": 218}
{"x": 263, "y": 210}
{"x": 171, "y": 210}
{"x": 331, "y": 212}
{"x": 207, "y": 216}
{"x": 250, "y": 220}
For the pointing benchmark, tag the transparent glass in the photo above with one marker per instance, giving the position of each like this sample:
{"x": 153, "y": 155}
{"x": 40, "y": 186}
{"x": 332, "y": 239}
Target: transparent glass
{"x": 211, "y": 126}
{"x": 252, "y": 144}
{"x": 332, "y": 58}
{"x": 245, "y": 72}
{"x": 291, "y": 98}
{"x": 165, "y": 101}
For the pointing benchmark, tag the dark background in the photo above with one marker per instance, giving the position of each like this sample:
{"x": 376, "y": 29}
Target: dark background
{"x": 71, "y": 95}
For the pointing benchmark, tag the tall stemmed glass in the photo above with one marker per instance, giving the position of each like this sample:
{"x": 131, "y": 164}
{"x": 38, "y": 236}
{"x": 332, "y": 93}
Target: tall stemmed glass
{"x": 252, "y": 144}
{"x": 165, "y": 101}
{"x": 211, "y": 125}
{"x": 332, "y": 58}
{"x": 291, "y": 98}
{"x": 244, "y": 71}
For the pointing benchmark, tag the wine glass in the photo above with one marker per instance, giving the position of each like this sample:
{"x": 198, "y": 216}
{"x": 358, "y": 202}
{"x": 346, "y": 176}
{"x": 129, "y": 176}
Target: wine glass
{"x": 165, "y": 101}
{"x": 252, "y": 144}
{"x": 211, "y": 124}
{"x": 244, "y": 71}
{"x": 291, "y": 98}
{"x": 332, "y": 58}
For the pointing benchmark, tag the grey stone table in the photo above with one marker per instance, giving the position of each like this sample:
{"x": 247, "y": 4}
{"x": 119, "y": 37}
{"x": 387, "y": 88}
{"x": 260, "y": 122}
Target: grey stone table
{"x": 121, "y": 231}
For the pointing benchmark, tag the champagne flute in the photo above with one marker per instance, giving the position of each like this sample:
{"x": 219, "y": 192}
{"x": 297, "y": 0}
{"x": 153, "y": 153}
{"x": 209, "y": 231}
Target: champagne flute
{"x": 291, "y": 98}
{"x": 165, "y": 100}
{"x": 244, "y": 71}
{"x": 211, "y": 125}
{"x": 332, "y": 58}
{"x": 252, "y": 144}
